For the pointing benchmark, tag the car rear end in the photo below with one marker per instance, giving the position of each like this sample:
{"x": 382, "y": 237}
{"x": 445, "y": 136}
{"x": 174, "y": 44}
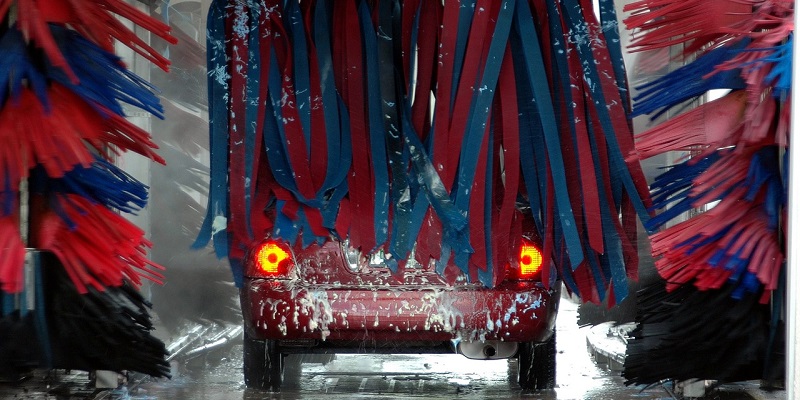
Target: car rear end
{"x": 333, "y": 299}
{"x": 332, "y": 296}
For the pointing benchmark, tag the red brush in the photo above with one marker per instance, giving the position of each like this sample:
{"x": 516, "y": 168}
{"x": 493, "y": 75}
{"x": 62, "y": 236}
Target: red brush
{"x": 759, "y": 123}
{"x": 771, "y": 25}
{"x": 12, "y": 256}
{"x": 94, "y": 19}
{"x": 714, "y": 125}
{"x": 720, "y": 261}
{"x": 731, "y": 170}
{"x": 748, "y": 235}
{"x": 55, "y": 138}
{"x": 97, "y": 246}
{"x": 704, "y": 224}
{"x": 51, "y": 140}
{"x": 663, "y": 23}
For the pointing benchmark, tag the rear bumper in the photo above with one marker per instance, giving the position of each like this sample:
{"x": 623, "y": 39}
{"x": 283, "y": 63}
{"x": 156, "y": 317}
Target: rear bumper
{"x": 281, "y": 310}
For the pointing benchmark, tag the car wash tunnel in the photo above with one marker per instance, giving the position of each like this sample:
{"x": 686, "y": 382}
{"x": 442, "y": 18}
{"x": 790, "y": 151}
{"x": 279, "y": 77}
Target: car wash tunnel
{"x": 247, "y": 199}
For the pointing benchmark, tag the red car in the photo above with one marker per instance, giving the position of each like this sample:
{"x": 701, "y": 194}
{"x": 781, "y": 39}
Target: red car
{"x": 331, "y": 299}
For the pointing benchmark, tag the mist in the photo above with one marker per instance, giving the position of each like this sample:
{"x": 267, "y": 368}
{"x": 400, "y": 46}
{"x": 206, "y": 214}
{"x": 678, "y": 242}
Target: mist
{"x": 198, "y": 287}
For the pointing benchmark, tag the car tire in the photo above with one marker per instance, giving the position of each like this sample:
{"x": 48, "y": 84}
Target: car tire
{"x": 537, "y": 365}
{"x": 263, "y": 364}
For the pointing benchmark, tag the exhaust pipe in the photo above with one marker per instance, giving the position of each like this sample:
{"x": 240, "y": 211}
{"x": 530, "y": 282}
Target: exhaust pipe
{"x": 487, "y": 350}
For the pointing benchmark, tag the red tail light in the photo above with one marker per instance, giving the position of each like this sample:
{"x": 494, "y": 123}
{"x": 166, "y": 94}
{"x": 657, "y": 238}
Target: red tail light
{"x": 271, "y": 259}
{"x": 530, "y": 261}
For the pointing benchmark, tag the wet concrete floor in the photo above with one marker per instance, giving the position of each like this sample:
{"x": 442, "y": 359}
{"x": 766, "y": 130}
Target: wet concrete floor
{"x": 355, "y": 376}
{"x": 218, "y": 376}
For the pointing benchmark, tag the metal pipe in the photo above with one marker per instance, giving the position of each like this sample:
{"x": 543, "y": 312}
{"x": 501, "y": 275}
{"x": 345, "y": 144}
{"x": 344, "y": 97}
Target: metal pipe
{"x": 219, "y": 340}
{"x": 183, "y": 343}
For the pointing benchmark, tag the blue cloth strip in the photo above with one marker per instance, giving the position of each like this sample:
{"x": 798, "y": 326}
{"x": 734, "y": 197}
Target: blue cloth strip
{"x": 478, "y": 117}
{"x": 429, "y": 179}
{"x": 610, "y": 26}
{"x": 409, "y": 205}
{"x": 465, "y": 14}
{"x": 308, "y": 233}
{"x": 534, "y": 168}
{"x": 619, "y": 169}
{"x": 251, "y": 110}
{"x": 218, "y": 84}
{"x": 284, "y": 227}
{"x": 377, "y": 133}
{"x": 414, "y": 40}
{"x": 334, "y": 195}
{"x": 275, "y": 136}
{"x": 302, "y": 86}
{"x": 337, "y": 126}
{"x": 8, "y": 303}
{"x": 613, "y": 261}
{"x": 541, "y": 91}
{"x": 486, "y": 276}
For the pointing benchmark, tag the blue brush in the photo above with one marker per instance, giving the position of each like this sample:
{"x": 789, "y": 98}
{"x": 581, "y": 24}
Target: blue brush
{"x": 688, "y": 82}
{"x": 102, "y": 182}
{"x": 17, "y": 69}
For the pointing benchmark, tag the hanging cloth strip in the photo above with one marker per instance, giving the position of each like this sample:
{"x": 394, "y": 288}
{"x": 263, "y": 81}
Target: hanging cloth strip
{"x": 215, "y": 223}
{"x": 443, "y": 176}
{"x": 347, "y": 46}
{"x": 532, "y": 57}
{"x": 381, "y": 105}
{"x": 240, "y": 20}
{"x": 476, "y": 125}
{"x": 302, "y": 135}
{"x": 336, "y": 123}
{"x": 505, "y": 183}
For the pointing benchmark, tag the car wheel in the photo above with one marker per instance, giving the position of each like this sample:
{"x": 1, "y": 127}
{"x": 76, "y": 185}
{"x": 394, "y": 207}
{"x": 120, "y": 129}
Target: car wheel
{"x": 537, "y": 365}
{"x": 263, "y": 364}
